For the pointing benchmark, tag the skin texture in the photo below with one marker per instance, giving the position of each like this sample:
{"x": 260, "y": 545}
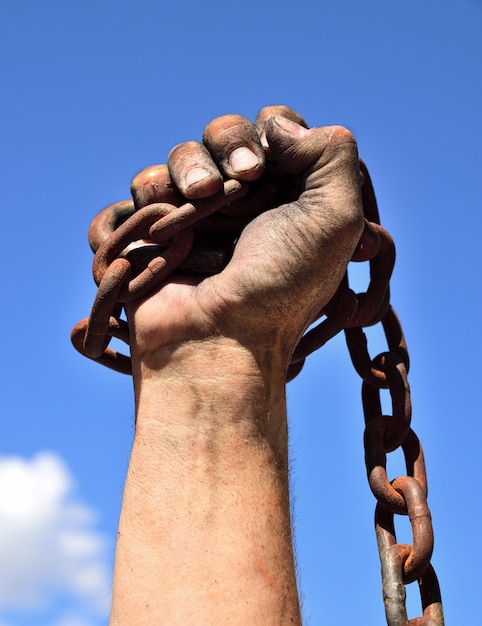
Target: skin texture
{"x": 205, "y": 533}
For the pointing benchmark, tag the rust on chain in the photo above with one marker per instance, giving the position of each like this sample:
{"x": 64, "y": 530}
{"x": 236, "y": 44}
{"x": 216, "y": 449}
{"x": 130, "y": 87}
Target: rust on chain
{"x": 397, "y": 383}
{"x": 370, "y": 205}
{"x": 376, "y": 464}
{"x": 342, "y": 309}
{"x": 413, "y": 559}
{"x": 394, "y": 592}
{"x": 421, "y": 550}
{"x": 107, "y": 221}
{"x": 402, "y": 564}
{"x": 369, "y": 245}
{"x": 433, "y": 614}
{"x": 138, "y": 228}
{"x": 111, "y": 358}
{"x": 374, "y": 302}
{"x": 371, "y": 370}
{"x": 105, "y": 304}
{"x": 136, "y": 250}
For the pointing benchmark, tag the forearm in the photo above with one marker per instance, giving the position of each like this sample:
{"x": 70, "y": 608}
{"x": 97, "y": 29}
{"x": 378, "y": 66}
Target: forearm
{"x": 205, "y": 532}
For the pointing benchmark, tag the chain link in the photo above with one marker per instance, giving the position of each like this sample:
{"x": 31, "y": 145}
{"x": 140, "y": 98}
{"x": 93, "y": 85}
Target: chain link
{"x": 173, "y": 238}
{"x": 401, "y": 564}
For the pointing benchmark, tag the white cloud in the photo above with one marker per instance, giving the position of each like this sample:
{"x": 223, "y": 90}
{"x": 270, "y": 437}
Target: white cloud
{"x": 48, "y": 541}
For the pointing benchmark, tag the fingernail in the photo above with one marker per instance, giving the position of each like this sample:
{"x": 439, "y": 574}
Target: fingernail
{"x": 243, "y": 159}
{"x": 263, "y": 140}
{"x": 195, "y": 176}
{"x": 290, "y": 127}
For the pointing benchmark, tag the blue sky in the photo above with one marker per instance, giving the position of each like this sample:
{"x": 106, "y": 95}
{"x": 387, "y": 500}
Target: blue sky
{"x": 95, "y": 91}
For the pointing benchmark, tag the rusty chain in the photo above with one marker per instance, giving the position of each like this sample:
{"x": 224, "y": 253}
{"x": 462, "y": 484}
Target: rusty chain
{"x": 173, "y": 238}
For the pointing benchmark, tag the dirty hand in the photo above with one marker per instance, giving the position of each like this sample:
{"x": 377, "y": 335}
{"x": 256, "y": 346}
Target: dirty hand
{"x": 288, "y": 260}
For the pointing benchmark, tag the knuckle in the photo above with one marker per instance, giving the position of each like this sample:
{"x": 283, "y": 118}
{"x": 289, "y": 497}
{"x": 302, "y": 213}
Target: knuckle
{"x": 228, "y": 132}
{"x": 226, "y": 123}
{"x": 340, "y": 136}
{"x": 280, "y": 110}
{"x": 149, "y": 184}
{"x": 150, "y": 174}
{"x": 183, "y": 149}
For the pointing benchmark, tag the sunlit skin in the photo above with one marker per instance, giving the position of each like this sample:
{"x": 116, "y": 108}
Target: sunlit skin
{"x": 205, "y": 531}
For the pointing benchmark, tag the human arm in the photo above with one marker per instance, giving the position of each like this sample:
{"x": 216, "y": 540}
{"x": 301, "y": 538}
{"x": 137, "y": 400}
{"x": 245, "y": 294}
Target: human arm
{"x": 205, "y": 534}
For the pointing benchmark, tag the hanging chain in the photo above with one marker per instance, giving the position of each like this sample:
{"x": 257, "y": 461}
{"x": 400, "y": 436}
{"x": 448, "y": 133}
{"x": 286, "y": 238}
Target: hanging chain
{"x": 174, "y": 238}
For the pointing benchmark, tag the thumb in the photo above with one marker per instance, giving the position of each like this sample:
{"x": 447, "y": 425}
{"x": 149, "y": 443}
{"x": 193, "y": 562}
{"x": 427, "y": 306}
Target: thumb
{"x": 297, "y": 148}
{"x": 327, "y": 159}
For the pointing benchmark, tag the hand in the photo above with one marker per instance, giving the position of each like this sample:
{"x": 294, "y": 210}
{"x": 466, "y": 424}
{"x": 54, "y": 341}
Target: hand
{"x": 288, "y": 260}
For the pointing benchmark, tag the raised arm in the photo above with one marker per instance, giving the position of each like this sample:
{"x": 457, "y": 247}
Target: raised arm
{"x": 205, "y": 533}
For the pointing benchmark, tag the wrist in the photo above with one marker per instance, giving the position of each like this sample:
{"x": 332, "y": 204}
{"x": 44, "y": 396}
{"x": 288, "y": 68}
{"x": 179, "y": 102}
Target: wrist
{"x": 215, "y": 388}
